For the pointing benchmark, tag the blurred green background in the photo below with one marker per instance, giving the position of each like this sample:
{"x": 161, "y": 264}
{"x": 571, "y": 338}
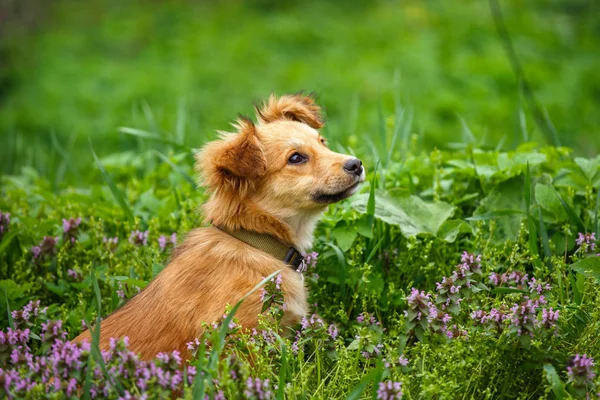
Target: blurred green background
{"x": 73, "y": 70}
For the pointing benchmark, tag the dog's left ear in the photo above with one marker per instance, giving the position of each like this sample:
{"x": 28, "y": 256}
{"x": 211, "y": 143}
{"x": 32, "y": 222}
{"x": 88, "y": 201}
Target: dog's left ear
{"x": 234, "y": 162}
{"x": 297, "y": 107}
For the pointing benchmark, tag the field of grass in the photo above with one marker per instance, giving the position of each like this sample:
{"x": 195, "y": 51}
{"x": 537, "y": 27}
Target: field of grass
{"x": 467, "y": 266}
{"x": 91, "y": 68}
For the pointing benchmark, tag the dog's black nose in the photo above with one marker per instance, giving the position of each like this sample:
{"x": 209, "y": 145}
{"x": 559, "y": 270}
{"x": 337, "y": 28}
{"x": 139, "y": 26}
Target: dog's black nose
{"x": 354, "y": 166}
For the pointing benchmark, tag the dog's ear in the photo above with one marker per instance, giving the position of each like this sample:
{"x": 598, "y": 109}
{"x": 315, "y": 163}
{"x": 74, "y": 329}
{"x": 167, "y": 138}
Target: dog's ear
{"x": 298, "y": 107}
{"x": 233, "y": 163}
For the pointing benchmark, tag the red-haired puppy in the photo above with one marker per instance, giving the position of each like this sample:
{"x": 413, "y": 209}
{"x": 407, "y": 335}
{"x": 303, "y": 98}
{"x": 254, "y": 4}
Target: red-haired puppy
{"x": 272, "y": 178}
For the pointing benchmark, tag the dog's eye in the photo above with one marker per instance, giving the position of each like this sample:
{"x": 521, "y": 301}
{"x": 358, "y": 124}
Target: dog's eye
{"x": 296, "y": 158}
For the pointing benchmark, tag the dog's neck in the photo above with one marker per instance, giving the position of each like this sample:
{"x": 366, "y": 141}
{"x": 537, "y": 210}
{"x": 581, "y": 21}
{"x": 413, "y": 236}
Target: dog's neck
{"x": 296, "y": 230}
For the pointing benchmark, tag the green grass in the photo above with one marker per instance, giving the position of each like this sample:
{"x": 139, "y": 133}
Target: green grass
{"x": 103, "y": 106}
{"x": 520, "y": 210}
{"x": 184, "y": 70}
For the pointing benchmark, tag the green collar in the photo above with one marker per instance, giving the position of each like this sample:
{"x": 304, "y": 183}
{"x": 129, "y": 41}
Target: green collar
{"x": 288, "y": 254}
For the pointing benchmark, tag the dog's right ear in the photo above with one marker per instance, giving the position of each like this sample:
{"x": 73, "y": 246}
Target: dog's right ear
{"x": 233, "y": 163}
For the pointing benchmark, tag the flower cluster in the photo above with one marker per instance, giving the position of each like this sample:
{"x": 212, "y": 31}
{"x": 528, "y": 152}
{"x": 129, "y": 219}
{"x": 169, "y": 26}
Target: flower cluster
{"x": 4, "y": 223}
{"x": 366, "y": 318}
{"x": 139, "y": 238}
{"x": 524, "y": 318}
{"x": 401, "y": 361}
{"x": 28, "y": 314}
{"x": 47, "y": 247}
{"x": 272, "y": 299}
{"x": 581, "y": 370}
{"x": 111, "y": 242}
{"x": 461, "y": 284}
{"x": 74, "y": 275}
{"x": 310, "y": 261}
{"x": 258, "y": 389}
{"x": 164, "y": 241}
{"x": 389, "y": 390}
{"x": 519, "y": 280}
{"x": 586, "y": 242}
{"x": 71, "y": 229}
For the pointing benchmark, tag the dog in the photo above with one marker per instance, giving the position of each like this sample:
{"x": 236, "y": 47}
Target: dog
{"x": 268, "y": 184}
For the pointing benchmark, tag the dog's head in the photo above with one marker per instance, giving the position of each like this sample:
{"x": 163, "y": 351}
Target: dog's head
{"x": 282, "y": 164}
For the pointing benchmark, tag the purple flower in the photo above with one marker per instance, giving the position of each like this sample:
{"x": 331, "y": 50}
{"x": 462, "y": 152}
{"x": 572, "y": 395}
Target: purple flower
{"x": 401, "y": 362}
{"x": 258, "y": 389}
{"x": 538, "y": 287}
{"x": 586, "y": 241}
{"x": 314, "y": 322}
{"x": 549, "y": 318}
{"x": 28, "y": 313}
{"x": 4, "y": 223}
{"x": 71, "y": 229}
{"x": 333, "y": 331}
{"x": 311, "y": 259}
{"x": 111, "y": 242}
{"x": 389, "y": 390}
{"x": 164, "y": 241}
{"x": 46, "y": 247}
{"x": 139, "y": 238}
{"x": 52, "y": 331}
{"x": 76, "y": 276}
{"x": 581, "y": 370}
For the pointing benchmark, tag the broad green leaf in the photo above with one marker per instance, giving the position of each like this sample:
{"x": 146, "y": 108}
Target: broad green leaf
{"x": 588, "y": 266}
{"x": 547, "y": 199}
{"x": 589, "y": 167}
{"x": 557, "y": 386}
{"x": 413, "y": 215}
{"x": 507, "y": 195}
{"x": 344, "y": 236}
{"x": 451, "y": 228}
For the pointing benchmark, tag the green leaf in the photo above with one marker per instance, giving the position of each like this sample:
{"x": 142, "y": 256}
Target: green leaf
{"x": 151, "y": 136}
{"x": 11, "y": 323}
{"x": 546, "y": 197}
{"x": 589, "y": 167}
{"x": 413, "y": 215}
{"x": 588, "y": 266}
{"x": 557, "y": 386}
{"x": 118, "y": 195}
{"x": 6, "y": 240}
{"x": 358, "y": 390}
{"x": 342, "y": 264}
{"x": 505, "y": 200}
{"x": 156, "y": 269}
{"x": 283, "y": 366}
{"x": 177, "y": 168}
{"x": 495, "y": 214}
{"x": 575, "y": 220}
{"x": 344, "y": 236}
{"x": 451, "y": 228}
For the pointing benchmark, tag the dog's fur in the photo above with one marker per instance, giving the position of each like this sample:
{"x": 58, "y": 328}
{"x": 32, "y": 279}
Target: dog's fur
{"x": 252, "y": 186}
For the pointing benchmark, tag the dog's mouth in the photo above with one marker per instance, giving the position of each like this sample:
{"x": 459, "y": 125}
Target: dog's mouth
{"x": 328, "y": 198}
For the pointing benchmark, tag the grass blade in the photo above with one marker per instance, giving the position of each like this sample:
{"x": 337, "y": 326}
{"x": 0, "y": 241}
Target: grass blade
{"x": 342, "y": 263}
{"x": 176, "y": 168}
{"x": 575, "y": 220}
{"x": 151, "y": 136}
{"x": 371, "y": 202}
{"x": 181, "y": 119}
{"x": 11, "y": 322}
{"x": 218, "y": 346}
{"x": 283, "y": 365}
{"x": 95, "y": 345}
{"x": 374, "y": 250}
{"x": 198, "y": 390}
{"x": 358, "y": 390}
{"x": 118, "y": 195}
